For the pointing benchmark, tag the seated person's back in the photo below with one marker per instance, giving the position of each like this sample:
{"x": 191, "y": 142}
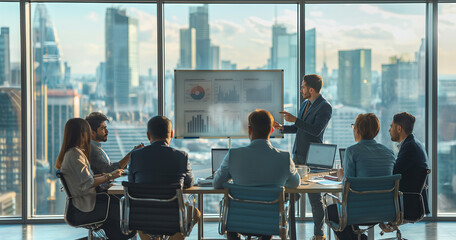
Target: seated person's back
{"x": 259, "y": 163}
{"x": 160, "y": 164}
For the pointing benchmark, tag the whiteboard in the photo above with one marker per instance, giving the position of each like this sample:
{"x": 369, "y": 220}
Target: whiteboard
{"x": 217, "y": 103}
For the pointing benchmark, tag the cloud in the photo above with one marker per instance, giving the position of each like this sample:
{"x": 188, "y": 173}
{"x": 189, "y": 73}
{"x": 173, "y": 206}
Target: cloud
{"x": 93, "y": 16}
{"x": 260, "y": 26}
{"x": 225, "y": 29}
{"x": 316, "y": 14}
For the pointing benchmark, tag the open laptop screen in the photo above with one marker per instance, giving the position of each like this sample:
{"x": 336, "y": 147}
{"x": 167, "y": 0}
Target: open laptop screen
{"x": 218, "y": 154}
{"x": 341, "y": 155}
{"x": 321, "y": 155}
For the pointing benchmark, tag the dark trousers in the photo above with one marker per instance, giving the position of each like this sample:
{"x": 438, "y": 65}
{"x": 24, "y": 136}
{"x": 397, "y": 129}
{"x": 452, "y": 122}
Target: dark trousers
{"x": 347, "y": 233}
{"x": 112, "y": 224}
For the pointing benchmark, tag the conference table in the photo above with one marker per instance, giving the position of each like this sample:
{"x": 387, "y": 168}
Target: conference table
{"x": 305, "y": 187}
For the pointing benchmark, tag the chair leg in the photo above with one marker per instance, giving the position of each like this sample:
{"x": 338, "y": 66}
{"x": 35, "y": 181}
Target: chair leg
{"x": 90, "y": 236}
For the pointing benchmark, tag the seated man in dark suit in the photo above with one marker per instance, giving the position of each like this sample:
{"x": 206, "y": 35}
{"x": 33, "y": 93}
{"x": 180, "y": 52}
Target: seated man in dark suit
{"x": 159, "y": 163}
{"x": 411, "y": 160}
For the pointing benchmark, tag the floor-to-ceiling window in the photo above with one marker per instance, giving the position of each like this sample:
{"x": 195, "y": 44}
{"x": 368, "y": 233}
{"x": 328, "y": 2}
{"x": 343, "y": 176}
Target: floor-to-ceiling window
{"x": 10, "y": 111}
{"x": 89, "y": 57}
{"x": 371, "y": 58}
{"x": 446, "y": 118}
{"x": 228, "y": 37}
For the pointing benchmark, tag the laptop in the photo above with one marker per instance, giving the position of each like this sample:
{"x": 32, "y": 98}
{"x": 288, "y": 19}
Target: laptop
{"x": 217, "y": 156}
{"x": 320, "y": 157}
{"x": 341, "y": 155}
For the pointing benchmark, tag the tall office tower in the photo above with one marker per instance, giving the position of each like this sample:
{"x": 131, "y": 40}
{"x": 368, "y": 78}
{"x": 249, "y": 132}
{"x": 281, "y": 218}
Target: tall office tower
{"x": 310, "y": 51}
{"x": 48, "y": 74}
{"x": 277, "y": 31}
{"x": 46, "y": 50}
{"x": 355, "y": 78}
{"x": 187, "y": 45}
{"x": 100, "y": 78}
{"x": 15, "y": 74}
{"x": 5, "y": 72}
{"x": 199, "y": 20}
{"x": 10, "y": 142}
{"x": 339, "y": 131}
{"x": 122, "y": 59}
{"x": 215, "y": 57}
{"x": 62, "y": 105}
{"x": 400, "y": 89}
{"x": 67, "y": 75}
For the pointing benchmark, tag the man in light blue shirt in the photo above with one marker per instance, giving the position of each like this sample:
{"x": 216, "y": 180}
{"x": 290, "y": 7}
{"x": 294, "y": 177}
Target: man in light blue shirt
{"x": 259, "y": 163}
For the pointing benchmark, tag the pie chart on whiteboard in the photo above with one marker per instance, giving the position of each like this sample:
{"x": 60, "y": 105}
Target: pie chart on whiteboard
{"x": 197, "y": 93}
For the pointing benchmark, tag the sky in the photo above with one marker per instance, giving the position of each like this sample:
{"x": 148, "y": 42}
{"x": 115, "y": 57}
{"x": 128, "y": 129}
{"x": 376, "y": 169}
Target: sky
{"x": 244, "y": 34}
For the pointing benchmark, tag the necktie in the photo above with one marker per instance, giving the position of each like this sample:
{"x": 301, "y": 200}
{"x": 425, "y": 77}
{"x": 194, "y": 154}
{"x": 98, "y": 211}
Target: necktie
{"x": 305, "y": 110}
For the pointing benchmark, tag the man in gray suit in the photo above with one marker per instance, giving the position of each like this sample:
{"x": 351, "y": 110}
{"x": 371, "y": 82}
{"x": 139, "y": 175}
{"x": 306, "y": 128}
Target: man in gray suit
{"x": 259, "y": 163}
{"x": 99, "y": 160}
{"x": 309, "y": 127}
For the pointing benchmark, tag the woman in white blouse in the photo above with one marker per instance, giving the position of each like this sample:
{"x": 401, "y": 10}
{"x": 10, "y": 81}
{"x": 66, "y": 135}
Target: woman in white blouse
{"x": 74, "y": 164}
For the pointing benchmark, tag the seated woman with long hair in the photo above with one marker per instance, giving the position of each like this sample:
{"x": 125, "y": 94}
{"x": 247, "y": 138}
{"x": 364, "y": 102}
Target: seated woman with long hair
{"x": 74, "y": 164}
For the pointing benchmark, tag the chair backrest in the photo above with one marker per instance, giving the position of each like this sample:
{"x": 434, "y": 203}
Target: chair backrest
{"x": 59, "y": 175}
{"x": 414, "y": 208}
{"x": 69, "y": 207}
{"x": 153, "y": 209}
{"x": 254, "y": 210}
{"x": 371, "y": 200}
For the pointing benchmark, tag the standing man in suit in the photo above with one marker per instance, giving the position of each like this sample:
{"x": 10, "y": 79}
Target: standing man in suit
{"x": 411, "y": 160}
{"x": 99, "y": 160}
{"x": 160, "y": 164}
{"x": 309, "y": 127}
{"x": 241, "y": 164}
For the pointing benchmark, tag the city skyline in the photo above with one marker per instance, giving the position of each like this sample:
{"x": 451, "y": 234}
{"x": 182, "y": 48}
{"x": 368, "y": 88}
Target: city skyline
{"x": 223, "y": 30}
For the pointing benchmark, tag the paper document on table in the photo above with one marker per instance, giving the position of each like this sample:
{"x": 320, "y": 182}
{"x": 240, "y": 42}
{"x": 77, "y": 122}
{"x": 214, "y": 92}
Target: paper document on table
{"x": 328, "y": 182}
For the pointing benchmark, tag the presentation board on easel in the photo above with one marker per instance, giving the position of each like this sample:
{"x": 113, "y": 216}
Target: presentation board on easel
{"x": 216, "y": 103}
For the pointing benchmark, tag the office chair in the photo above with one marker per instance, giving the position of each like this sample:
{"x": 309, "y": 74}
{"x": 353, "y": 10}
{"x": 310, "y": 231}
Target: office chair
{"x": 94, "y": 225}
{"x": 367, "y": 201}
{"x": 413, "y": 203}
{"x": 253, "y": 211}
{"x": 156, "y": 210}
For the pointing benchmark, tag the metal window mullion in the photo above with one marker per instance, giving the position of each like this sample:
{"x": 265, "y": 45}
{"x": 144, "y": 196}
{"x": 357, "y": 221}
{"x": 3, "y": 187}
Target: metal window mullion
{"x": 26, "y": 109}
{"x": 160, "y": 58}
{"x": 432, "y": 97}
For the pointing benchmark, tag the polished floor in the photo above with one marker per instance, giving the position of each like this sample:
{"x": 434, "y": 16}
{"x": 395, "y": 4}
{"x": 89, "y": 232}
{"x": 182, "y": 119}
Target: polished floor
{"x": 423, "y": 230}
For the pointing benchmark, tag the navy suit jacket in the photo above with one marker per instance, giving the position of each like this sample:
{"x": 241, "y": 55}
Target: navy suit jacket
{"x": 411, "y": 161}
{"x": 309, "y": 129}
{"x": 160, "y": 164}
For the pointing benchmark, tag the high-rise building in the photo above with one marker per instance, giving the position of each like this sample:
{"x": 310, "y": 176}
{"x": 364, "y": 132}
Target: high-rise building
{"x": 187, "y": 48}
{"x": 199, "y": 20}
{"x": 310, "y": 51}
{"x": 5, "y": 71}
{"x": 215, "y": 57}
{"x": 122, "y": 58}
{"x": 100, "y": 90}
{"x": 10, "y": 144}
{"x": 15, "y": 74}
{"x": 228, "y": 65}
{"x": 61, "y": 106}
{"x": 277, "y": 31}
{"x": 48, "y": 74}
{"x": 355, "y": 78}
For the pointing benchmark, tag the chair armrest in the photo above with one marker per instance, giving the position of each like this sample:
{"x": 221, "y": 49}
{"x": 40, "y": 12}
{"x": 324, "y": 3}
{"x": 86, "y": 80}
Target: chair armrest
{"x": 334, "y": 197}
{"x": 223, "y": 209}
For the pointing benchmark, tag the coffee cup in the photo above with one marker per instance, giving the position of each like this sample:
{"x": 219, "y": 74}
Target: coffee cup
{"x": 303, "y": 171}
